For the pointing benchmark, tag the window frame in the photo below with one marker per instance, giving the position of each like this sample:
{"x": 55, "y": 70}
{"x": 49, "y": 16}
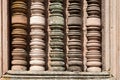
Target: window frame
{"x": 110, "y": 36}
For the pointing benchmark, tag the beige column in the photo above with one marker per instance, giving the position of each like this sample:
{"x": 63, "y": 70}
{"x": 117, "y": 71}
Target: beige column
{"x": 37, "y": 44}
{"x": 94, "y": 36}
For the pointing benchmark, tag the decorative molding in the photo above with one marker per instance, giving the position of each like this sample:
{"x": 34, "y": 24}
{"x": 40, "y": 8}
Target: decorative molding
{"x": 1, "y": 38}
{"x": 112, "y": 37}
{"x": 52, "y": 75}
{"x": 4, "y": 37}
{"x": 118, "y": 38}
{"x": 106, "y": 35}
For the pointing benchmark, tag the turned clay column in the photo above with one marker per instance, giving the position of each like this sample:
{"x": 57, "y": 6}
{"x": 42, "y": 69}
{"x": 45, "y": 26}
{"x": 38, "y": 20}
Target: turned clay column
{"x": 75, "y": 61}
{"x": 37, "y": 44}
{"x": 19, "y": 35}
{"x": 56, "y": 26}
{"x": 94, "y": 36}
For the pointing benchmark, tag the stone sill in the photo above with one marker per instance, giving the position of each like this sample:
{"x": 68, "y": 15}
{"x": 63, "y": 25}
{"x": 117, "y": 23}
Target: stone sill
{"x": 55, "y": 75}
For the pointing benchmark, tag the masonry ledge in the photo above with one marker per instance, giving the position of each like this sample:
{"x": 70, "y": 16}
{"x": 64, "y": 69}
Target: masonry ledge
{"x": 56, "y": 75}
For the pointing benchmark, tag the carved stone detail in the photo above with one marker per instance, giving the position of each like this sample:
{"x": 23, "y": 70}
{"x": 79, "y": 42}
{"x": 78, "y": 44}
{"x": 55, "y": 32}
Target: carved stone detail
{"x": 94, "y": 36}
{"x": 19, "y": 35}
{"x": 56, "y": 26}
{"x": 57, "y": 56}
{"x": 75, "y": 61}
{"x": 37, "y": 44}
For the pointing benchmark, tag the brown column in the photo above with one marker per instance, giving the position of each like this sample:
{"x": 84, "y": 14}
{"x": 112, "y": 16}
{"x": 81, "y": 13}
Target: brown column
{"x": 19, "y": 35}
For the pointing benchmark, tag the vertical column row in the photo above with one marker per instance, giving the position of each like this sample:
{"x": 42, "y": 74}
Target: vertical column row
{"x": 37, "y": 44}
{"x": 19, "y": 35}
{"x": 56, "y": 26}
{"x": 94, "y": 36}
{"x": 75, "y": 57}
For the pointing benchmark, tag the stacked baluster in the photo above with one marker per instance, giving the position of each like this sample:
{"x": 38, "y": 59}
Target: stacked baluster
{"x": 37, "y": 44}
{"x": 94, "y": 36}
{"x": 75, "y": 61}
{"x": 56, "y": 25}
{"x": 19, "y": 35}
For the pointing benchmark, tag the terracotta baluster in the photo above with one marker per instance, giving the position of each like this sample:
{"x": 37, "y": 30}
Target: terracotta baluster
{"x": 37, "y": 44}
{"x": 94, "y": 36}
{"x": 56, "y": 25}
{"x": 19, "y": 35}
{"x": 75, "y": 61}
